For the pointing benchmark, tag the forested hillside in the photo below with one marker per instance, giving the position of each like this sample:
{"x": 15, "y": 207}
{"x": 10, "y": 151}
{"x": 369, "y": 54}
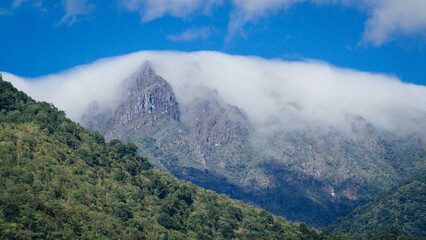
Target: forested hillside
{"x": 403, "y": 207}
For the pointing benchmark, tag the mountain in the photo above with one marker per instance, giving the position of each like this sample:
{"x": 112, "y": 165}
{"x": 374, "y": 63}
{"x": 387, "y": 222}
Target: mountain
{"x": 313, "y": 174}
{"x": 61, "y": 181}
{"x": 146, "y": 100}
{"x": 402, "y": 207}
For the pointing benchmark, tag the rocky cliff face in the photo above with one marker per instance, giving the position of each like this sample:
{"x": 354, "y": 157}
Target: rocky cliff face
{"x": 148, "y": 98}
{"x": 214, "y": 122}
{"x": 305, "y": 175}
{"x": 215, "y": 130}
{"x": 189, "y": 134}
{"x": 145, "y": 99}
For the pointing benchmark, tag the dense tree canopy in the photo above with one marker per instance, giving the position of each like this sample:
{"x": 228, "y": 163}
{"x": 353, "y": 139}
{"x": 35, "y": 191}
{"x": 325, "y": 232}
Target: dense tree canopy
{"x": 402, "y": 207}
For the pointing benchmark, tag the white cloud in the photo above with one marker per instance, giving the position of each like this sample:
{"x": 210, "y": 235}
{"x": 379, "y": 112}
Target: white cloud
{"x": 18, "y": 82}
{"x": 191, "y": 35}
{"x": 37, "y": 4}
{"x": 249, "y": 10}
{"x": 277, "y": 92}
{"x": 73, "y": 9}
{"x": 152, "y": 9}
{"x": 391, "y": 18}
{"x": 387, "y": 18}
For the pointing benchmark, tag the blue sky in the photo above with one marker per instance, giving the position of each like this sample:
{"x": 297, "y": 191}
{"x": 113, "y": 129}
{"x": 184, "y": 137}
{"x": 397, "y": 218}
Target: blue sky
{"x": 40, "y": 37}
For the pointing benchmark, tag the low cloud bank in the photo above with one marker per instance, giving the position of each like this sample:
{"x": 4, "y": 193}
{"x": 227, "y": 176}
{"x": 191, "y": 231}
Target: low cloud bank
{"x": 275, "y": 93}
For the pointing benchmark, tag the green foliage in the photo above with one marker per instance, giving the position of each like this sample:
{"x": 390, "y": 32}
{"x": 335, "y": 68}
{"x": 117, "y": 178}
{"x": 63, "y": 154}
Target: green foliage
{"x": 402, "y": 208}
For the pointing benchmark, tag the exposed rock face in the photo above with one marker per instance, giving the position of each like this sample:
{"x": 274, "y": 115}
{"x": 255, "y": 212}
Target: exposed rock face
{"x": 218, "y": 135}
{"x": 145, "y": 99}
{"x": 148, "y": 98}
{"x": 213, "y": 122}
{"x": 148, "y": 108}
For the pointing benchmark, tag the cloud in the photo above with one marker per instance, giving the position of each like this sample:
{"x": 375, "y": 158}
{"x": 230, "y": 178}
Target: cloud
{"x": 249, "y": 10}
{"x": 191, "y": 35}
{"x": 18, "y": 82}
{"x": 37, "y": 4}
{"x": 387, "y": 18}
{"x": 391, "y": 18}
{"x": 152, "y": 9}
{"x": 73, "y": 9}
{"x": 283, "y": 94}
{"x": 17, "y": 3}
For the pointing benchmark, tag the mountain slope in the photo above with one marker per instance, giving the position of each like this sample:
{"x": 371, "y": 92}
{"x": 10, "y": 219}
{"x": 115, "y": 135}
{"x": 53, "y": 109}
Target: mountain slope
{"x": 311, "y": 174}
{"x": 59, "y": 180}
{"x": 403, "y": 207}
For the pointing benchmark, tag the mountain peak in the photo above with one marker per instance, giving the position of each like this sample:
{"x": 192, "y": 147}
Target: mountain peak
{"x": 144, "y": 99}
{"x": 147, "y": 70}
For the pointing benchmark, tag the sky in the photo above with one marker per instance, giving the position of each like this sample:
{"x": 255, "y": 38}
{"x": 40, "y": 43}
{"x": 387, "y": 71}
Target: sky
{"x": 42, "y": 37}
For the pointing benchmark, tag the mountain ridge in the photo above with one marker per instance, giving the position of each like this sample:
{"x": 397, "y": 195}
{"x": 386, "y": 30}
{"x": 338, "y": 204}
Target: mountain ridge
{"x": 345, "y": 169}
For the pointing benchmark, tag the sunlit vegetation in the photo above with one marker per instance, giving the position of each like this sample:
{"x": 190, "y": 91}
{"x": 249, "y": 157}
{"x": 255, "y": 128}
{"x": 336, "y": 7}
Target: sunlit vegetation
{"x": 402, "y": 207}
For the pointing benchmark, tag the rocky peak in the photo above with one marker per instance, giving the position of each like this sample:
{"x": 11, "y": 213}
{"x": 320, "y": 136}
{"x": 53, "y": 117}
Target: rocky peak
{"x": 143, "y": 79}
{"x": 144, "y": 99}
{"x": 147, "y": 70}
{"x": 148, "y": 98}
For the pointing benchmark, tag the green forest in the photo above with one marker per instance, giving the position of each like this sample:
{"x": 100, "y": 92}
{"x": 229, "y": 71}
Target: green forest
{"x": 61, "y": 181}
{"x": 402, "y": 206}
